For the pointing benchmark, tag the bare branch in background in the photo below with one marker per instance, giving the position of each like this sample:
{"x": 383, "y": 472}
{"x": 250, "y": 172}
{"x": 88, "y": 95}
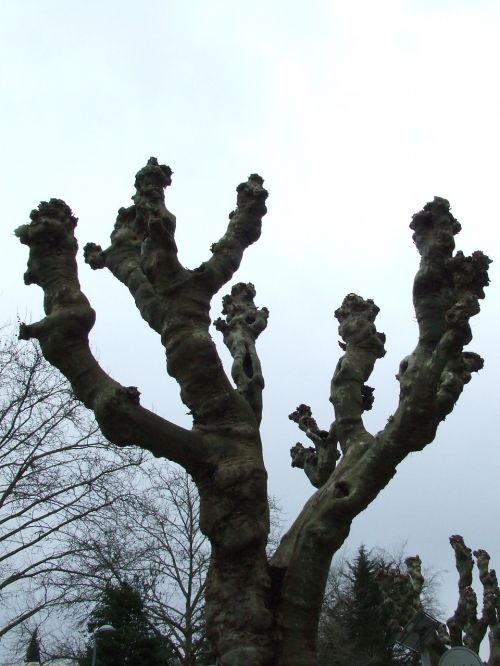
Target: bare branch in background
{"x": 56, "y": 473}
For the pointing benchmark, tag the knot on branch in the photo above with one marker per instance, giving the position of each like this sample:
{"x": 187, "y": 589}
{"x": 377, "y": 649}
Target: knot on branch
{"x": 446, "y": 288}
{"x": 463, "y": 560}
{"x": 482, "y": 555}
{"x": 124, "y": 219}
{"x": 244, "y": 228}
{"x": 252, "y": 196}
{"x": 470, "y": 600}
{"x": 349, "y": 394}
{"x": 52, "y": 226}
{"x": 151, "y": 216}
{"x": 400, "y": 591}
{"x": 446, "y": 295}
{"x": 318, "y": 462}
{"x": 457, "y": 372}
{"x": 94, "y": 256}
{"x": 303, "y": 417}
{"x": 434, "y": 227}
{"x": 52, "y": 264}
{"x": 118, "y": 400}
{"x": 241, "y": 311}
{"x": 243, "y": 324}
{"x": 152, "y": 179}
{"x": 356, "y": 317}
{"x": 470, "y": 274}
{"x": 459, "y": 314}
{"x": 301, "y": 456}
{"x": 55, "y": 209}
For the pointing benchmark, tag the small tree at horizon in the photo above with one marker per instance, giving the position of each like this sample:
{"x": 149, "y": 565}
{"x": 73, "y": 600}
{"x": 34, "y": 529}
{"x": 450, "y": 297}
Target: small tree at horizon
{"x": 259, "y": 611}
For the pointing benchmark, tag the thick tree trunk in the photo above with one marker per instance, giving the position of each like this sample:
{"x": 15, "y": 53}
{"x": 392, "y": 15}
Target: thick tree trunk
{"x": 258, "y": 613}
{"x": 235, "y": 517}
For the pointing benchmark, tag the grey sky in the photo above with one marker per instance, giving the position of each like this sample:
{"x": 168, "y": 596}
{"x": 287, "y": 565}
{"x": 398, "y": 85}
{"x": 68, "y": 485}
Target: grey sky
{"x": 356, "y": 113}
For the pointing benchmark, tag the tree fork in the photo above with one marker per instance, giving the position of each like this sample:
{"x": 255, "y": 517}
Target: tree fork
{"x": 258, "y": 614}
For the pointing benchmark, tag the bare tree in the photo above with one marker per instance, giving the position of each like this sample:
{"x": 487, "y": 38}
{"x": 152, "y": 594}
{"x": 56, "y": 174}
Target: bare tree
{"x": 56, "y": 472}
{"x": 156, "y": 544}
{"x": 179, "y": 556}
{"x": 258, "y": 611}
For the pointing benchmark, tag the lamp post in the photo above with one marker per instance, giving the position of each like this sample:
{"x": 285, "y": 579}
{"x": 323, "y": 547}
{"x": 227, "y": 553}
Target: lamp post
{"x": 100, "y": 630}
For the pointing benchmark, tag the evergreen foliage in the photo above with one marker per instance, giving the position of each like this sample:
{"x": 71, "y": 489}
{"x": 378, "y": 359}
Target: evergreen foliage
{"x": 356, "y": 619}
{"x": 33, "y": 650}
{"x": 132, "y": 643}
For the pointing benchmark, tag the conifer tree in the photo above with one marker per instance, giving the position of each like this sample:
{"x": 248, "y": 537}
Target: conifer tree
{"x": 132, "y": 642}
{"x": 33, "y": 650}
{"x": 358, "y": 618}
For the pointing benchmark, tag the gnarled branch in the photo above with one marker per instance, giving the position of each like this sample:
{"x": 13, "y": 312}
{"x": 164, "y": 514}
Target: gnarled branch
{"x": 318, "y": 461}
{"x": 243, "y": 325}
{"x": 243, "y": 229}
{"x": 363, "y": 345}
{"x": 63, "y": 336}
{"x": 446, "y": 294}
{"x": 465, "y": 627}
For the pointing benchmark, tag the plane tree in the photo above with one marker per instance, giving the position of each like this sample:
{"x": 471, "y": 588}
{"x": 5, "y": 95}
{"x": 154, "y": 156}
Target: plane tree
{"x": 259, "y": 611}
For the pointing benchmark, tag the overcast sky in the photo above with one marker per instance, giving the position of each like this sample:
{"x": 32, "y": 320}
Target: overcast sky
{"x": 356, "y": 113}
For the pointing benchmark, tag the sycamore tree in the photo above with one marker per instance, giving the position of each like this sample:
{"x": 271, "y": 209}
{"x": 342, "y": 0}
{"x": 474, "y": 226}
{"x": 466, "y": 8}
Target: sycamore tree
{"x": 259, "y": 610}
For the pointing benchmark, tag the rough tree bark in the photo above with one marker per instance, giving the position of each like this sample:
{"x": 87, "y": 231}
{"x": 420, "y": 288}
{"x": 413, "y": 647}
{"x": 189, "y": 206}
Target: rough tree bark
{"x": 259, "y": 612}
{"x": 464, "y": 626}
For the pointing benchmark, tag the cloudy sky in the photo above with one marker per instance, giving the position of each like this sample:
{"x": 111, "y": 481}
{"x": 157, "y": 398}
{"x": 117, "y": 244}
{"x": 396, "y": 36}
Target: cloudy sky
{"x": 356, "y": 113}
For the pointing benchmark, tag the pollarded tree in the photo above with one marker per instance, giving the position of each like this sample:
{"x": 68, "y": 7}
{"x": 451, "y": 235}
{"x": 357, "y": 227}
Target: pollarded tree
{"x": 259, "y": 611}
{"x": 466, "y": 626}
{"x": 401, "y": 596}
